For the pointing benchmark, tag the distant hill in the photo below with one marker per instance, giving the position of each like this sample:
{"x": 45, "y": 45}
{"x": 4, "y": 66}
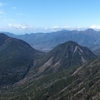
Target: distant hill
{"x": 47, "y": 41}
{"x": 62, "y": 57}
{"x": 16, "y": 58}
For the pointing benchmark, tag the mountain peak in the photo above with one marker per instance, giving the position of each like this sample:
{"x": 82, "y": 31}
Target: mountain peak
{"x": 63, "y": 56}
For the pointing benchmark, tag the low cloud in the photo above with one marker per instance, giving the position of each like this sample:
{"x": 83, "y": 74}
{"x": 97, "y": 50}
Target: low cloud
{"x": 55, "y": 28}
{"x": 95, "y": 27}
{"x": 30, "y": 28}
{"x": 20, "y": 26}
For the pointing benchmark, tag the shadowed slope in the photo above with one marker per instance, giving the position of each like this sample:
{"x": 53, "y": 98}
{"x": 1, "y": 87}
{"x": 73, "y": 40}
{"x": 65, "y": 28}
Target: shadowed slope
{"x": 16, "y": 58}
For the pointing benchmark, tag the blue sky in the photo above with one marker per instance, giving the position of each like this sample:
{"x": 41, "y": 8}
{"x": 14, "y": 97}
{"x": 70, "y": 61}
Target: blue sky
{"x": 25, "y": 16}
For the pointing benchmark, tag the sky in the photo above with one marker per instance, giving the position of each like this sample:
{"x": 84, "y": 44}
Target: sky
{"x": 29, "y": 16}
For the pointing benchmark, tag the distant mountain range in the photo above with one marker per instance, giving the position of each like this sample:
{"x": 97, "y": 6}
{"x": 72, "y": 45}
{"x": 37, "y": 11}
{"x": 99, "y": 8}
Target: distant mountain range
{"x": 47, "y": 41}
